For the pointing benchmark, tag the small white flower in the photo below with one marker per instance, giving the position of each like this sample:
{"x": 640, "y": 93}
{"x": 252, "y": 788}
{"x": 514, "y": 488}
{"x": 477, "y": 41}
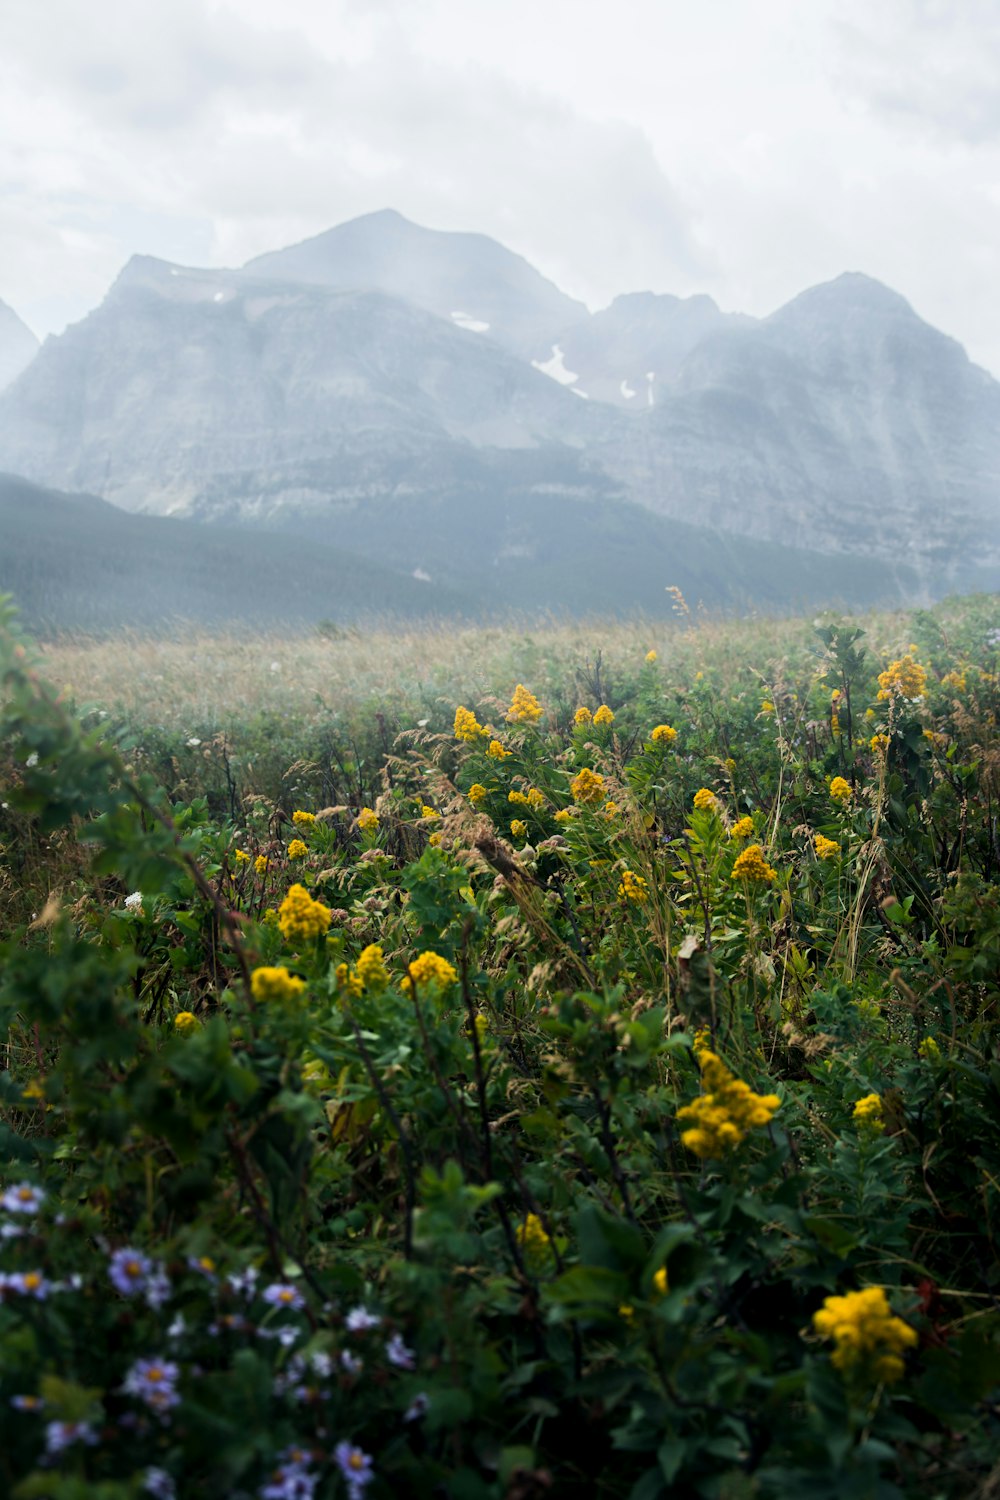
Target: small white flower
{"x": 32, "y": 759}
{"x": 276, "y": 666}
{"x": 359, "y": 1319}
{"x": 134, "y": 902}
{"x": 193, "y": 743}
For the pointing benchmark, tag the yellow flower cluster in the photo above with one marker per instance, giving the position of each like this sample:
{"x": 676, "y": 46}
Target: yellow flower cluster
{"x": 905, "y": 677}
{"x": 868, "y": 1115}
{"x": 652, "y": 656}
{"x": 518, "y": 798}
{"x": 368, "y": 820}
{"x": 752, "y": 867}
{"x": 660, "y": 1282}
{"x": 879, "y": 744}
{"x": 300, "y": 917}
{"x": 604, "y": 716}
{"x": 825, "y": 848}
{"x": 185, "y": 1022}
{"x": 536, "y": 798}
{"x": 633, "y": 887}
{"x": 260, "y": 865}
{"x": 742, "y": 828}
{"x": 496, "y": 751}
{"x": 524, "y": 707}
{"x": 242, "y": 857}
{"x": 705, "y": 800}
{"x": 565, "y": 814}
{"x": 370, "y": 968}
{"x": 587, "y": 787}
{"x": 467, "y": 726}
{"x": 724, "y": 1113}
{"x": 866, "y": 1333}
{"x": 929, "y": 1050}
{"x": 347, "y": 980}
{"x": 663, "y": 734}
{"x": 477, "y": 793}
{"x": 954, "y": 679}
{"x": 297, "y": 849}
{"x": 275, "y": 985}
{"x": 304, "y": 819}
{"x": 431, "y": 968}
{"x": 533, "y": 1238}
{"x": 518, "y": 829}
{"x": 840, "y": 790}
{"x": 429, "y": 812}
{"x": 583, "y": 715}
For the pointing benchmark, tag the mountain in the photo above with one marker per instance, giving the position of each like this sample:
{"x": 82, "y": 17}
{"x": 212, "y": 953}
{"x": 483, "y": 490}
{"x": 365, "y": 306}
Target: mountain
{"x": 18, "y": 345}
{"x": 74, "y": 562}
{"x": 328, "y": 391}
{"x": 469, "y": 279}
{"x": 844, "y": 423}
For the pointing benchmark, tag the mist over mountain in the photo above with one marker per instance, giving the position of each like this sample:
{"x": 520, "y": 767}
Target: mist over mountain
{"x": 18, "y": 345}
{"x": 420, "y": 397}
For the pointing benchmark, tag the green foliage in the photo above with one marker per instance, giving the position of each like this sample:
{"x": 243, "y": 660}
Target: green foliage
{"x": 419, "y": 1181}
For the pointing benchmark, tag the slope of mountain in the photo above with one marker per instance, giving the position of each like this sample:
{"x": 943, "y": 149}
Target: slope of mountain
{"x": 469, "y": 279}
{"x": 18, "y": 345}
{"x": 74, "y": 562}
{"x": 842, "y": 424}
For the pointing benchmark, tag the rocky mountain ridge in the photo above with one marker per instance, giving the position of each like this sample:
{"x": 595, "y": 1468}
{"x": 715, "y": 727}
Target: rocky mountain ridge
{"x": 18, "y": 345}
{"x": 382, "y": 365}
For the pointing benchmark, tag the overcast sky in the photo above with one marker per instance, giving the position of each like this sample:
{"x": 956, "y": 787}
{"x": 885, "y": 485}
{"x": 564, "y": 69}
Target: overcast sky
{"x": 748, "y": 148}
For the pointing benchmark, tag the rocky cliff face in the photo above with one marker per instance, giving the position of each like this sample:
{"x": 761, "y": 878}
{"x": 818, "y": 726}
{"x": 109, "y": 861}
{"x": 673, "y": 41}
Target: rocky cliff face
{"x": 18, "y": 345}
{"x": 331, "y": 379}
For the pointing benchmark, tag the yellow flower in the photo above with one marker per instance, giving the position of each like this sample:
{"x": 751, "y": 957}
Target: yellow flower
{"x": 840, "y": 790}
{"x": 866, "y": 1334}
{"x": 705, "y": 800}
{"x": 954, "y": 679}
{"x": 587, "y": 787}
{"x": 534, "y": 1239}
{"x": 304, "y": 819}
{"x": 347, "y": 980}
{"x": 496, "y": 751}
{"x": 429, "y": 812}
{"x": 371, "y": 969}
{"x": 825, "y": 848}
{"x": 275, "y": 984}
{"x": 742, "y": 828}
{"x": 524, "y": 708}
{"x": 431, "y": 968}
{"x": 518, "y": 798}
{"x": 242, "y": 857}
{"x": 583, "y": 715}
{"x": 633, "y": 887}
{"x": 536, "y": 798}
{"x": 660, "y": 1281}
{"x": 767, "y": 707}
{"x": 467, "y": 726}
{"x": 652, "y": 656}
{"x": 611, "y": 809}
{"x": 477, "y": 793}
{"x": 663, "y": 734}
{"x": 730, "y": 765}
{"x": 300, "y": 917}
{"x": 868, "y": 1115}
{"x": 368, "y": 820}
{"x": 185, "y": 1022}
{"x": 260, "y": 864}
{"x": 929, "y": 1050}
{"x": 297, "y": 849}
{"x": 879, "y": 744}
{"x": 519, "y": 829}
{"x": 565, "y": 814}
{"x": 752, "y": 867}
{"x": 435, "y": 841}
{"x": 905, "y": 677}
{"x": 604, "y": 716}
{"x": 725, "y": 1111}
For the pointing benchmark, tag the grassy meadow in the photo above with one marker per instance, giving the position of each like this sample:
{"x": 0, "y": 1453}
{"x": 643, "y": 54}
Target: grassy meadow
{"x": 503, "y": 1064}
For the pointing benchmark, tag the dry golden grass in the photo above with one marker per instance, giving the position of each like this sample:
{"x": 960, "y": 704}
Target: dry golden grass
{"x": 212, "y": 680}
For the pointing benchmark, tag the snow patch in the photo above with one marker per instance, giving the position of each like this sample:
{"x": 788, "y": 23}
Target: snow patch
{"x": 582, "y": 394}
{"x": 465, "y": 320}
{"x": 556, "y": 367}
{"x": 626, "y": 390}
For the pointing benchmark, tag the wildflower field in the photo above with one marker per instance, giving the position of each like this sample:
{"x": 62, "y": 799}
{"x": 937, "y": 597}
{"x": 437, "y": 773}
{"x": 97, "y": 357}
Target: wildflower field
{"x": 543, "y": 1064}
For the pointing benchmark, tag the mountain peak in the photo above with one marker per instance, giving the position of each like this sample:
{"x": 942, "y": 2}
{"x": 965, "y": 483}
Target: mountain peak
{"x": 18, "y": 345}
